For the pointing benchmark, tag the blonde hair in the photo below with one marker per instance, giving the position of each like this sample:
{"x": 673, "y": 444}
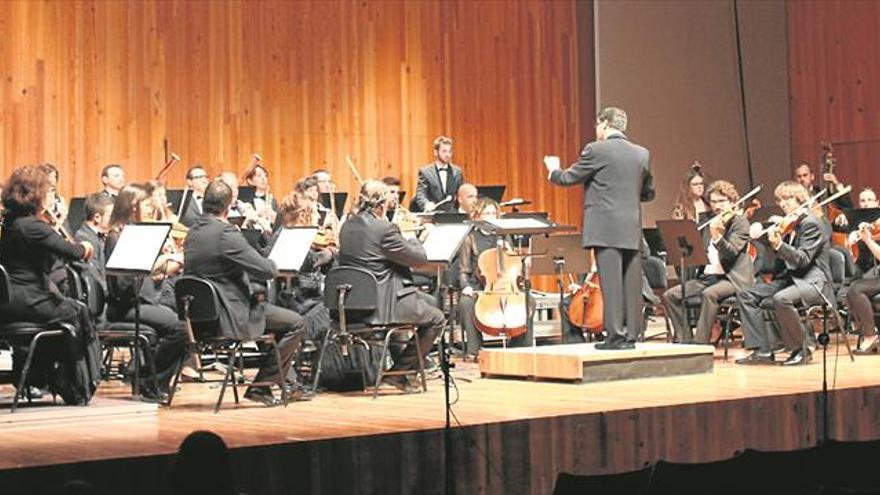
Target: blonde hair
{"x": 791, "y": 189}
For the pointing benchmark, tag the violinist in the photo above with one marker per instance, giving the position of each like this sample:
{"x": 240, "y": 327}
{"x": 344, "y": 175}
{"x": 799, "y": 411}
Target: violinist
{"x": 98, "y": 208}
{"x": 28, "y": 250}
{"x": 369, "y": 241}
{"x": 691, "y": 204}
{"x": 729, "y": 271}
{"x": 135, "y": 203}
{"x": 393, "y": 184}
{"x": 471, "y": 280}
{"x": 802, "y": 268}
{"x": 58, "y": 206}
{"x": 861, "y": 292}
{"x": 247, "y": 217}
{"x": 324, "y": 180}
{"x": 803, "y": 174}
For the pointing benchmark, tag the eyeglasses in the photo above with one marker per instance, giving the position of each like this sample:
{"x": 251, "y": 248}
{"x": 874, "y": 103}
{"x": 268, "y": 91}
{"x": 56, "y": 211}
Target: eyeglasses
{"x": 194, "y": 177}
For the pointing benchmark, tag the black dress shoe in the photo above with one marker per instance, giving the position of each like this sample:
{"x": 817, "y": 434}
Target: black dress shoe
{"x": 757, "y": 357}
{"x": 610, "y": 345}
{"x": 399, "y": 382}
{"x": 798, "y": 356}
{"x": 262, "y": 395}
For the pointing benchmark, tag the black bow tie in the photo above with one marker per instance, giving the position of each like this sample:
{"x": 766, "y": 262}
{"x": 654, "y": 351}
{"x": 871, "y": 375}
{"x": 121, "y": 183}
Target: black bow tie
{"x": 443, "y": 169}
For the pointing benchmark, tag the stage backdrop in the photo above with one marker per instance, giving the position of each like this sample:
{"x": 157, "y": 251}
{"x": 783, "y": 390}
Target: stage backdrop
{"x": 834, "y": 56}
{"x": 87, "y": 83}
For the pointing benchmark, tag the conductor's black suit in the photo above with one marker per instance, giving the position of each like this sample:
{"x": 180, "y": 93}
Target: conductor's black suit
{"x": 616, "y": 177}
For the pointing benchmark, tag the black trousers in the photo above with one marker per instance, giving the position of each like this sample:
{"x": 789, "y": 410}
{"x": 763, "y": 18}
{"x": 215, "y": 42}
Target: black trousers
{"x": 858, "y": 300}
{"x": 170, "y": 332}
{"x": 620, "y": 274}
{"x": 779, "y": 297}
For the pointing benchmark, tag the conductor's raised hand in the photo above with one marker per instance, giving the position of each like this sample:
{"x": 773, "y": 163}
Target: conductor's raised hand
{"x": 551, "y": 163}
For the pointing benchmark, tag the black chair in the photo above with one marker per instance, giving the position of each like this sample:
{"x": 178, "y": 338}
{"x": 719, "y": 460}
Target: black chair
{"x": 821, "y": 312}
{"x": 198, "y": 304}
{"x": 351, "y": 295}
{"x": 655, "y": 272}
{"x": 117, "y": 334}
{"x": 27, "y": 332}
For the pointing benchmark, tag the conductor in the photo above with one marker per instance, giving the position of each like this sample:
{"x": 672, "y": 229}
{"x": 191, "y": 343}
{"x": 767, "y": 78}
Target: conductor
{"x": 616, "y": 177}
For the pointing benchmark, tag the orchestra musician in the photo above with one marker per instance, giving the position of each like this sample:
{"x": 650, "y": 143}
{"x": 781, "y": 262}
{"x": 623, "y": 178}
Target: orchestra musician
{"x": 369, "y": 241}
{"x": 135, "y": 203}
{"x": 324, "y": 180}
{"x": 217, "y": 251}
{"x": 59, "y": 205}
{"x": 264, "y": 203}
{"x": 860, "y": 294}
{"x": 471, "y": 280}
{"x": 691, "y": 204}
{"x": 250, "y": 218}
{"x": 438, "y": 180}
{"x": 729, "y": 271}
{"x": 112, "y": 179}
{"x": 466, "y": 198}
{"x": 802, "y": 268}
{"x": 29, "y": 247}
{"x": 864, "y": 259}
{"x": 98, "y": 208}
{"x": 803, "y": 174}
{"x": 616, "y": 178}
{"x": 393, "y": 184}
{"x": 196, "y": 182}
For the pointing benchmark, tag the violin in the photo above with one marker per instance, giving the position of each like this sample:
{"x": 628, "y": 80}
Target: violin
{"x": 785, "y": 225}
{"x": 855, "y": 236}
{"x": 587, "y": 308}
{"x": 500, "y": 309}
{"x": 733, "y": 210}
{"x": 325, "y": 238}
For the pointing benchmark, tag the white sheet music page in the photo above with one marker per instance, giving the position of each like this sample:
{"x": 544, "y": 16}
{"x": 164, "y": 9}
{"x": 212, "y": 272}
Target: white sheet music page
{"x": 518, "y": 223}
{"x": 444, "y": 240}
{"x": 291, "y": 248}
{"x": 138, "y": 247}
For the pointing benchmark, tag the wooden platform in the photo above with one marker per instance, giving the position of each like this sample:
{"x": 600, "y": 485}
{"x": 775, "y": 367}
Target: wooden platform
{"x": 509, "y": 437}
{"x": 102, "y": 408}
{"x": 584, "y": 363}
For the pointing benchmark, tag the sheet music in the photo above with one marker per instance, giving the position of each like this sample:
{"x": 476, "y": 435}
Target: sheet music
{"x": 518, "y": 223}
{"x": 292, "y": 247}
{"x": 444, "y": 240}
{"x": 138, "y": 247}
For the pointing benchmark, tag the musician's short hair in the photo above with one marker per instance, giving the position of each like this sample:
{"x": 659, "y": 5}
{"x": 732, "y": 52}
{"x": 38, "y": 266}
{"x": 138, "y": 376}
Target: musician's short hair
{"x": 373, "y": 194}
{"x": 189, "y": 173}
{"x": 791, "y": 189}
{"x": 218, "y": 197}
{"x": 390, "y": 181}
{"x": 440, "y": 141}
{"x": 723, "y": 188}
{"x": 305, "y": 184}
{"x": 51, "y": 169}
{"x": 615, "y": 117}
{"x": 802, "y": 163}
{"x": 293, "y": 206}
{"x": 95, "y": 204}
{"x": 105, "y": 172}
{"x": 25, "y": 191}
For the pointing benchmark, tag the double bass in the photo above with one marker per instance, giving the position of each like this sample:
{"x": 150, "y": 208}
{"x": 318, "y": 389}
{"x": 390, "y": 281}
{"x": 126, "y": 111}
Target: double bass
{"x": 500, "y": 309}
{"x": 832, "y": 211}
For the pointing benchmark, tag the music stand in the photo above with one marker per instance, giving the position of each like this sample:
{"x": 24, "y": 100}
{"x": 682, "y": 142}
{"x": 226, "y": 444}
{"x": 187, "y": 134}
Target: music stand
{"x": 175, "y": 198}
{"x": 338, "y": 197}
{"x": 400, "y": 196}
{"x": 291, "y": 248}
{"x": 855, "y": 216}
{"x": 76, "y": 214}
{"x": 495, "y": 192}
{"x": 684, "y": 243}
{"x": 136, "y": 251}
{"x": 564, "y": 254}
{"x": 246, "y": 194}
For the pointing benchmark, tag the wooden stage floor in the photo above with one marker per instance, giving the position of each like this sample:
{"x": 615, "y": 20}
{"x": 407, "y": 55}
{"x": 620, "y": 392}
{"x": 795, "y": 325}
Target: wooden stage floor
{"x": 514, "y": 436}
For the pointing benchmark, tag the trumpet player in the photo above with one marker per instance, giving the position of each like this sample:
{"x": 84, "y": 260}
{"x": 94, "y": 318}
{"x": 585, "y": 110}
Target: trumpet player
{"x": 729, "y": 271}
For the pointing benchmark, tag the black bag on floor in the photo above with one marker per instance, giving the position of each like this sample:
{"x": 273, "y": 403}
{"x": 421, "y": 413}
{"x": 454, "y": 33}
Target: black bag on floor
{"x": 345, "y": 373}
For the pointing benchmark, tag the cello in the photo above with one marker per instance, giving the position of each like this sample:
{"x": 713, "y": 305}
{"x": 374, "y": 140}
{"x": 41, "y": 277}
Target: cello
{"x": 586, "y": 309}
{"x": 500, "y": 309}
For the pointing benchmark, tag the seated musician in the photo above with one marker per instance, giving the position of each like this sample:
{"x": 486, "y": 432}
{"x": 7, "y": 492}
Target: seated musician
{"x": 245, "y": 212}
{"x": 196, "y": 182}
{"x": 216, "y": 250}
{"x": 861, "y": 292}
{"x": 729, "y": 270}
{"x": 467, "y": 198}
{"x": 802, "y": 268}
{"x": 112, "y": 180}
{"x": 803, "y": 174}
{"x": 324, "y": 180}
{"x": 368, "y": 240}
{"x": 864, "y": 259}
{"x": 691, "y": 204}
{"x": 471, "y": 280}
{"x": 98, "y": 208}
{"x": 305, "y": 295}
{"x": 264, "y": 202}
{"x": 28, "y": 250}
{"x": 134, "y": 203}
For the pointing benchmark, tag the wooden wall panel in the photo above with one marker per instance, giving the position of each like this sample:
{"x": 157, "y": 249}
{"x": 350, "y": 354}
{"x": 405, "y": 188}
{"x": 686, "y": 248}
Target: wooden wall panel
{"x": 87, "y": 83}
{"x": 834, "y": 67}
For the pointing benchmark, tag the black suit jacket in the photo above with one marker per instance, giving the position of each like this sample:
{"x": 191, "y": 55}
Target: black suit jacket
{"x": 29, "y": 249}
{"x": 430, "y": 188}
{"x": 376, "y": 245}
{"x": 616, "y": 178}
{"x": 98, "y": 261}
{"x": 217, "y": 251}
{"x": 192, "y": 211}
{"x": 805, "y": 259}
{"x": 733, "y": 253}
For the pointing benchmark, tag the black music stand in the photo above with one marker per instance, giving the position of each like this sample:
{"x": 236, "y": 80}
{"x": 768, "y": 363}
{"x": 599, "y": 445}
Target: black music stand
{"x": 855, "y": 216}
{"x": 683, "y": 243}
{"x": 441, "y": 247}
{"x": 175, "y": 198}
{"x": 136, "y": 251}
{"x": 76, "y": 214}
{"x": 494, "y": 192}
{"x": 246, "y": 194}
{"x": 338, "y": 197}
{"x": 565, "y": 254}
